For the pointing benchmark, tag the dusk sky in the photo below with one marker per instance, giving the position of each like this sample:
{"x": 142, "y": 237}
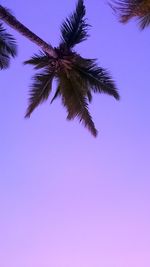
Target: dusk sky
{"x": 68, "y": 199}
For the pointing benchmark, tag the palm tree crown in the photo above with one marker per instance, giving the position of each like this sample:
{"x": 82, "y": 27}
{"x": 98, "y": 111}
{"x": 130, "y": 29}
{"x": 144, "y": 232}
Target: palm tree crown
{"x": 7, "y": 48}
{"x": 128, "y": 9}
{"x": 77, "y": 77}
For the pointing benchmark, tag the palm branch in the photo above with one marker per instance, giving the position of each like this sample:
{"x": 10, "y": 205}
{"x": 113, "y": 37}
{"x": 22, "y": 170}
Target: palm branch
{"x": 128, "y": 9}
{"x": 74, "y": 29}
{"x": 97, "y": 78}
{"x": 40, "y": 90}
{"x": 8, "y": 48}
{"x": 77, "y": 77}
{"x": 74, "y": 98}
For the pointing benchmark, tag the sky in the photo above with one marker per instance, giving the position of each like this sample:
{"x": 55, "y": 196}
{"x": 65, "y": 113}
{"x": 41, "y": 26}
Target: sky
{"x": 66, "y": 198}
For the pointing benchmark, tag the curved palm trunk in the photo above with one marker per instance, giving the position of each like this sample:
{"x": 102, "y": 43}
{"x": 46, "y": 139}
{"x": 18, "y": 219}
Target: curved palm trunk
{"x": 9, "y": 19}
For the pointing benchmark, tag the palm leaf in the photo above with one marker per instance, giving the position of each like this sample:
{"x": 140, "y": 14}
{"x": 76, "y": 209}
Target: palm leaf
{"x": 74, "y": 28}
{"x": 7, "y": 48}
{"x": 127, "y": 9}
{"x": 124, "y": 8}
{"x": 40, "y": 90}
{"x": 40, "y": 60}
{"x": 75, "y": 101}
{"x": 97, "y": 78}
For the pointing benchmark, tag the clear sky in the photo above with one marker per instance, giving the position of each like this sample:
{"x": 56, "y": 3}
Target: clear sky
{"x": 67, "y": 199}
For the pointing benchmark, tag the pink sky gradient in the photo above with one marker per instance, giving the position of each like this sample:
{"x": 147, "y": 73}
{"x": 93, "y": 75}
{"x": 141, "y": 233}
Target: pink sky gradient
{"x": 67, "y": 199}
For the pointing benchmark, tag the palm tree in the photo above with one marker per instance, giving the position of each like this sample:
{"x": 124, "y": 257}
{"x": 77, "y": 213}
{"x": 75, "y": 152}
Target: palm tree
{"x": 8, "y": 18}
{"x": 128, "y": 9}
{"x": 77, "y": 77}
{"x": 7, "y": 48}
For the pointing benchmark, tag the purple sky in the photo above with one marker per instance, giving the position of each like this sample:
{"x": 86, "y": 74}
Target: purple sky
{"x": 67, "y": 199}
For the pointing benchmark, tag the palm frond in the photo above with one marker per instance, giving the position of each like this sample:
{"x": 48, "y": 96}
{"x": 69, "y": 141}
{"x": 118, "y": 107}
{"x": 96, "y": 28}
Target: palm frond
{"x": 97, "y": 78}
{"x": 40, "y": 90}
{"x": 74, "y": 29}
{"x": 40, "y": 60}
{"x": 128, "y": 9}
{"x": 75, "y": 101}
{"x": 8, "y": 48}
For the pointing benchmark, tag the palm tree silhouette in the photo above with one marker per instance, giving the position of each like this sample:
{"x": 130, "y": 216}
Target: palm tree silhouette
{"x": 8, "y": 48}
{"x": 77, "y": 77}
{"x": 128, "y": 9}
